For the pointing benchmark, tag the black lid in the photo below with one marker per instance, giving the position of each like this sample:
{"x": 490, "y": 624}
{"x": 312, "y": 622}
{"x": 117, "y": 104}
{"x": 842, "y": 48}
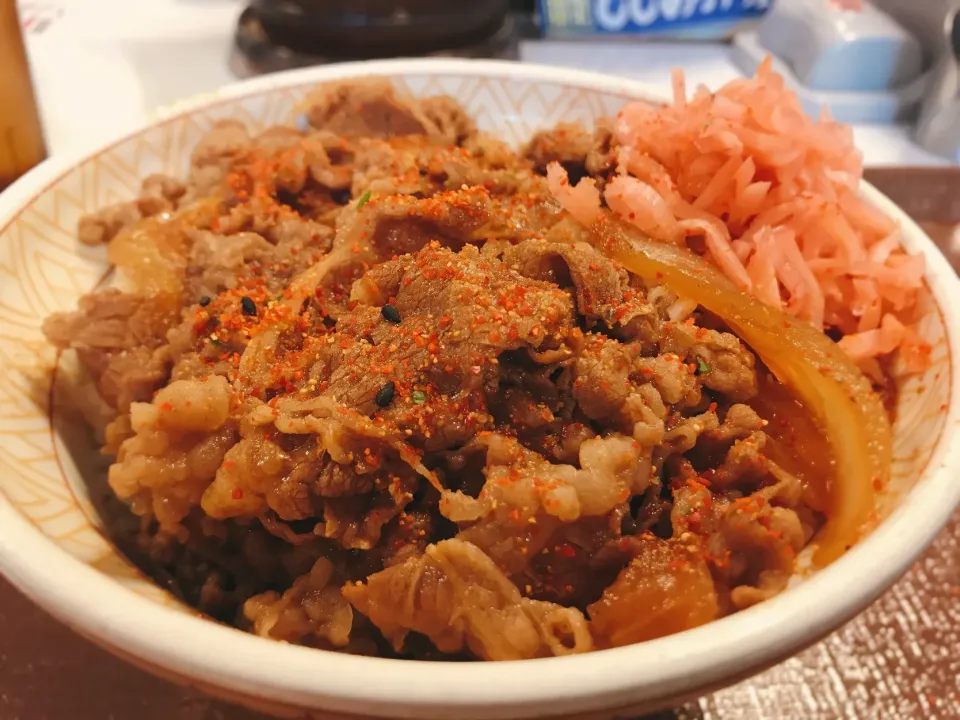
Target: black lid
{"x": 377, "y": 28}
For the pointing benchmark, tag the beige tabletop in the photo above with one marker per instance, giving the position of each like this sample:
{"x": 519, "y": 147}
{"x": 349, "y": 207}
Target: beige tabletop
{"x": 899, "y": 659}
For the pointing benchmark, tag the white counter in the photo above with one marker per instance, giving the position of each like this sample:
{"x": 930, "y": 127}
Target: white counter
{"x": 101, "y": 66}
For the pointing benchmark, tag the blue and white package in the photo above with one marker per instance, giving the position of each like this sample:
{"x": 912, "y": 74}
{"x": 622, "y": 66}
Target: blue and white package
{"x": 702, "y": 19}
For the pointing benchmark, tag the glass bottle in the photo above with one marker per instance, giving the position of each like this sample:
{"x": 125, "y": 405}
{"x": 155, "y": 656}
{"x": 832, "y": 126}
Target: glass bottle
{"x": 21, "y": 136}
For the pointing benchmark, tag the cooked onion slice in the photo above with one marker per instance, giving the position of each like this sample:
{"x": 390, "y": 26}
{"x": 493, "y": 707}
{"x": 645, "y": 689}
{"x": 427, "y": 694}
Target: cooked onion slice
{"x": 802, "y": 358}
{"x": 150, "y": 254}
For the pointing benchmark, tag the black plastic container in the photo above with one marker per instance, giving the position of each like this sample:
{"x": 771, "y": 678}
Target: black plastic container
{"x": 378, "y": 28}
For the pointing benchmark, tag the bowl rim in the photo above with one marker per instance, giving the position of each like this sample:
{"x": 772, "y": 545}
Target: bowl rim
{"x": 196, "y": 648}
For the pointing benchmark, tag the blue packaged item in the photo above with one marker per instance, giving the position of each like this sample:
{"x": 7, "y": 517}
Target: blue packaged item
{"x": 694, "y": 19}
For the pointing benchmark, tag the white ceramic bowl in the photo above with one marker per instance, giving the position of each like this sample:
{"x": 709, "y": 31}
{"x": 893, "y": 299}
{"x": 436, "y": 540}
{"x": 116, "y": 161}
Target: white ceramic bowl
{"x": 51, "y": 547}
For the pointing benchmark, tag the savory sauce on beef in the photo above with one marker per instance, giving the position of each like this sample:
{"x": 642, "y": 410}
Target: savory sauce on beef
{"x": 372, "y": 391}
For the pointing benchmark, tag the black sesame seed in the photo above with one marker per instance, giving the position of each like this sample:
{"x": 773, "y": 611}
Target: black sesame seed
{"x": 385, "y": 394}
{"x": 424, "y": 172}
{"x": 248, "y": 305}
{"x": 390, "y": 314}
{"x": 204, "y": 301}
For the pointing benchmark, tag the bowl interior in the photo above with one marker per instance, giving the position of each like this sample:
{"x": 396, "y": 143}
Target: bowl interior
{"x": 50, "y": 471}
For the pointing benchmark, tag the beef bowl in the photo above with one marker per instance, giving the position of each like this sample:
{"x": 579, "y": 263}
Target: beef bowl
{"x": 469, "y": 389}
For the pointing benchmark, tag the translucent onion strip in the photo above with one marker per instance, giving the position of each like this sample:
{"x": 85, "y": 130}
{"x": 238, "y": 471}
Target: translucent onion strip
{"x": 820, "y": 374}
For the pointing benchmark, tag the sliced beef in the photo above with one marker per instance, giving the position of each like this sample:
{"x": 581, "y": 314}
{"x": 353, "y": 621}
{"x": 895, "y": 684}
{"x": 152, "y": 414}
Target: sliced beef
{"x": 581, "y": 152}
{"x": 456, "y": 596}
{"x": 330, "y": 159}
{"x": 492, "y": 152}
{"x": 759, "y": 543}
{"x": 375, "y": 478}
{"x": 345, "y": 479}
{"x": 602, "y": 378}
{"x": 602, "y": 289}
{"x": 458, "y": 312}
{"x": 413, "y": 166}
{"x": 222, "y": 144}
{"x": 180, "y": 440}
{"x": 333, "y": 480}
{"x": 257, "y": 476}
{"x": 746, "y": 468}
{"x": 385, "y": 227}
{"x": 357, "y": 522}
{"x": 113, "y": 320}
{"x": 526, "y": 505}
{"x": 217, "y": 262}
{"x": 408, "y": 536}
{"x": 213, "y": 156}
{"x": 128, "y": 376}
{"x": 409, "y": 166}
{"x": 295, "y": 235}
{"x": 371, "y": 108}
{"x": 740, "y": 421}
{"x": 565, "y": 143}
{"x": 723, "y": 363}
{"x": 258, "y": 212}
{"x": 103, "y": 225}
{"x": 675, "y": 380}
{"x": 449, "y": 117}
{"x": 159, "y": 193}
{"x": 312, "y": 610}
{"x": 749, "y": 542}
{"x": 120, "y": 340}
{"x": 277, "y": 139}
{"x": 683, "y": 433}
{"x": 601, "y": 159}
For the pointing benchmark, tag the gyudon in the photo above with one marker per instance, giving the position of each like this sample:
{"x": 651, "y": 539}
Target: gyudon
{"x": 388, "y": 386}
